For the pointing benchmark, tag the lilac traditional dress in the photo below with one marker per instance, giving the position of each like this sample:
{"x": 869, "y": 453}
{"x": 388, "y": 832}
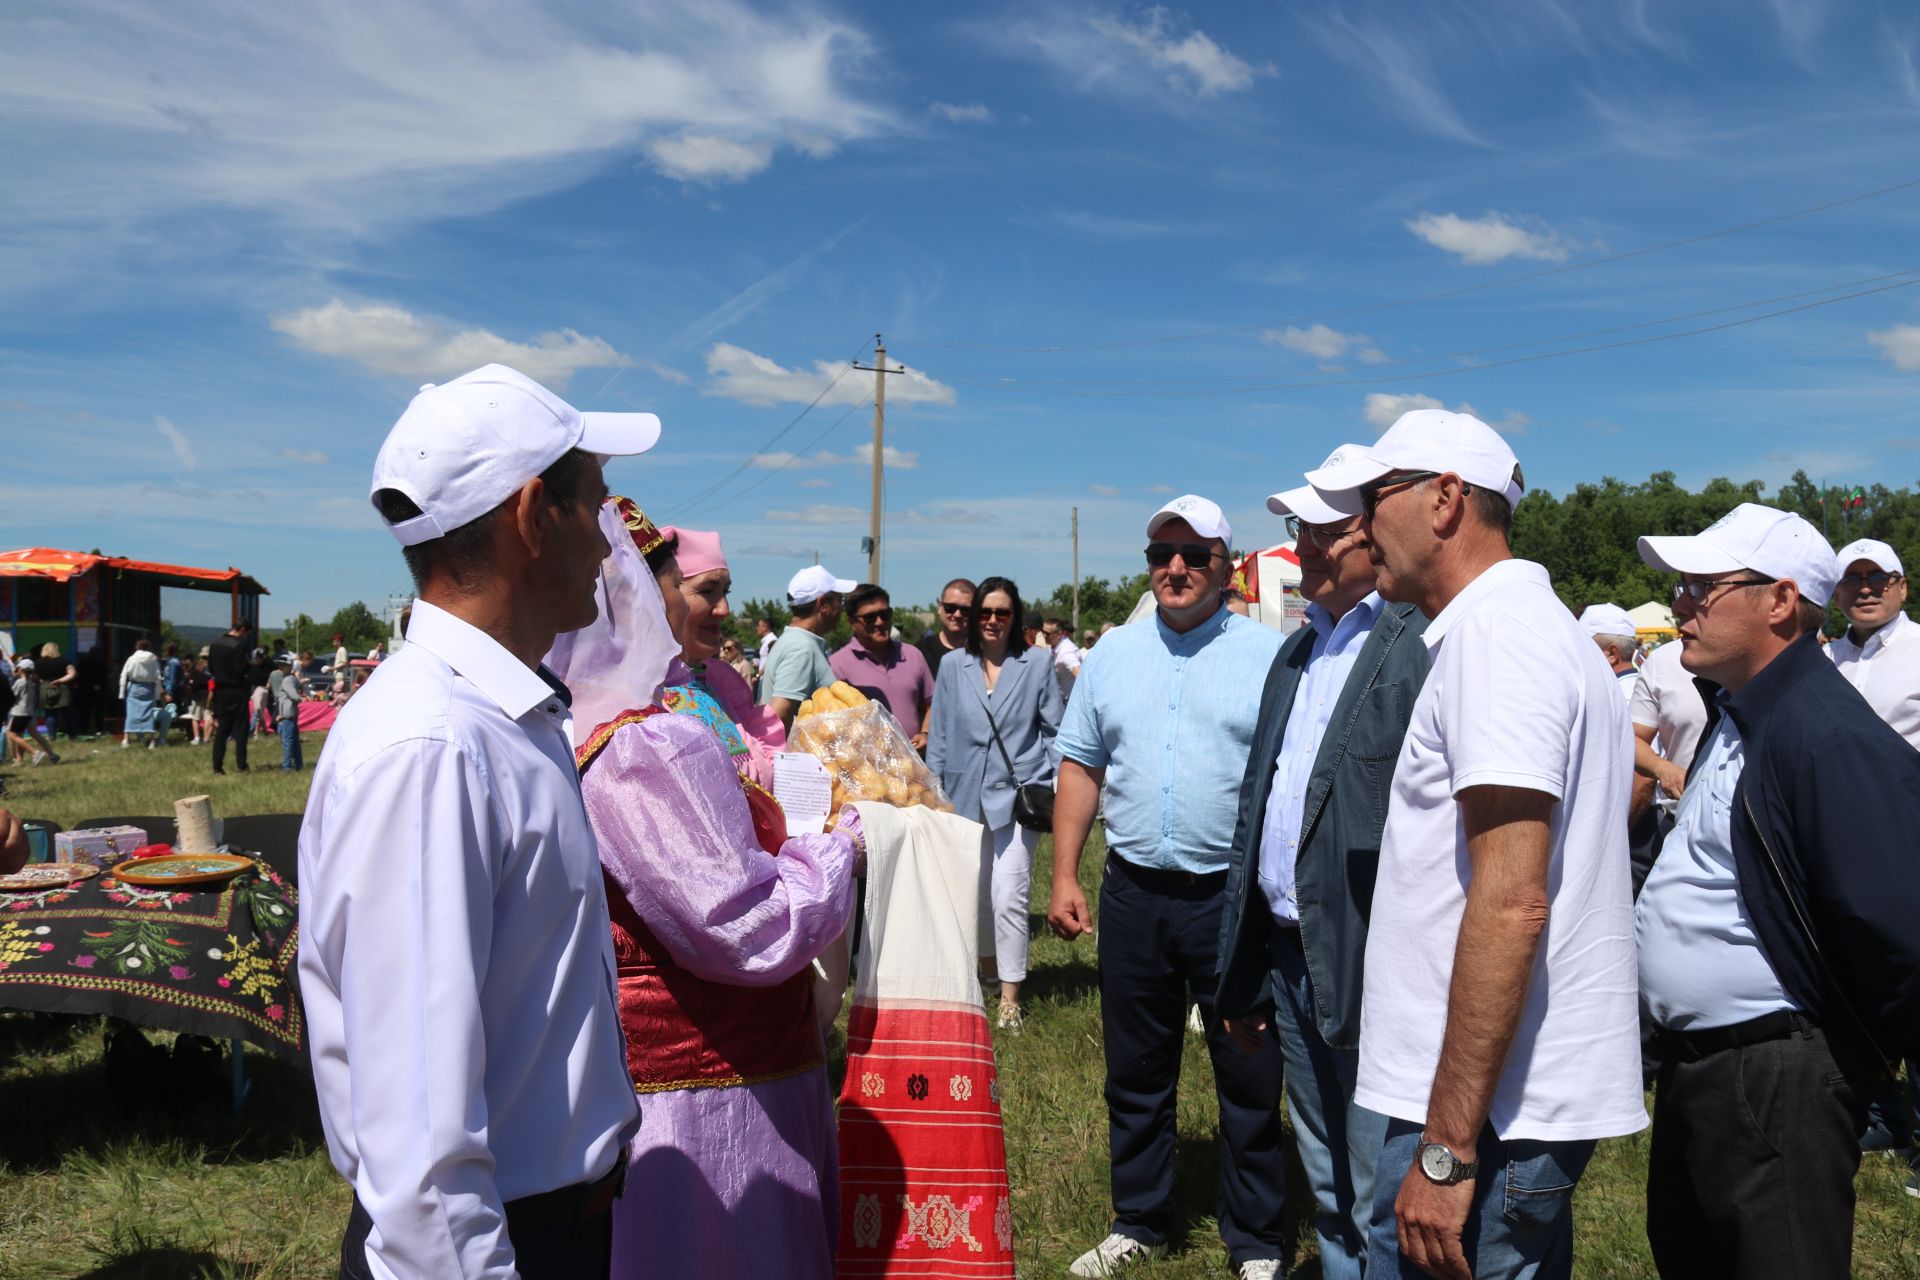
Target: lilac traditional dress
{"x": 717, "y": 918}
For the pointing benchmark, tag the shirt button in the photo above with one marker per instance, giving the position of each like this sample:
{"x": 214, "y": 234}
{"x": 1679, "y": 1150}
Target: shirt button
{"x": 552, "y": 710}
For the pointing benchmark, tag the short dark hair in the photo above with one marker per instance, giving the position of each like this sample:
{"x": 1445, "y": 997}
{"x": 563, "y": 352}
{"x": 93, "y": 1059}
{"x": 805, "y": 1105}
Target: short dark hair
{"x": 960, "y": 582}
{"x": 1016, "y": 639}
{"x": 865, "y": 593}
{"x": 171, "y": 649}
{"x": 1492, "y": 509}
{"x": 665, "y": 554}
{"x": 812, "y": 607}
{"x": 1813, "y": 616}
{"x": 1061, "y": 623}
{"x": 461, "y": 553}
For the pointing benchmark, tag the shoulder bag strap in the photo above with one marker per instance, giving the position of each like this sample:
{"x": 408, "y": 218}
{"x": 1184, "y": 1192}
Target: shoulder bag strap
{"x": 995, "y": 727}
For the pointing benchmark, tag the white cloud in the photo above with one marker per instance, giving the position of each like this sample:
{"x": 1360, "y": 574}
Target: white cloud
{"x": 1106, "y": 226}
{"x": 709, "y": 158}
{"x": 1324, "y": 343}
{"x": 1397, "y": 61}
{"x": 1161, "y": 488}
{"x": 1382, "y": 410}
{"x": 861, "y": 455}
{"x": 739, "y": 374}
{"x": 1194, "y": 63}
{"x": 306, "y": 457}
{"x": 666, "y": 373}
{"x": 1899, "y": 345}
{"x": 1104, "y": 490}
{"x": 182, "y": 447}
{"x": 815, "y": 482}
{"x": 963, "y": 113}
{"x": 388, "y": 338}
{"x": 818, "y": 513}
{"x": 1127, "y": 58}
{"x": 1488, "y": 239}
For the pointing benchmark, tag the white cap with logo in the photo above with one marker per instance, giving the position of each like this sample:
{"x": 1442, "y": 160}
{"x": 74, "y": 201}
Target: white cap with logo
{"x": 813, "y": 582}
{"x": 1321, "y": 506}
{"x": 464, "y": 447}
{"x": 1429, "y": 440}
{"x": 1872, "y": 550}
{"x": 1203, "y": 516}
{"x": 1777, "y": 544}
{"x": 1607, "y": 620}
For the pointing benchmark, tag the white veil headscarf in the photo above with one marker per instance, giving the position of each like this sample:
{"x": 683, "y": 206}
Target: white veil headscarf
{"x": 618, "y": 662}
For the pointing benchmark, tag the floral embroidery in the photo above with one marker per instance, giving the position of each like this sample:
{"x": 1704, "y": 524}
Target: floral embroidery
{"x": 960, "y": 1087}
{"x": 1003, "y": 1224}
{"x": 872, "y": 1084}
{"x": 866, "y": 1221}
{"x": 940, "y": 1221}
{"x": 19, "y": 942}
{"x": 252, "y": 972}
{"x": 917, "y": 1087}
{"x": 136, "y": 946}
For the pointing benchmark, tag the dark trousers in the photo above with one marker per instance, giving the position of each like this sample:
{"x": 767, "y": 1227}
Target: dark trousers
{"x": 582, "y": 1251}
{"x": 1754, "y": 1152}
{"x": 229, "y": 721}
{"x": 1159, "y": 942}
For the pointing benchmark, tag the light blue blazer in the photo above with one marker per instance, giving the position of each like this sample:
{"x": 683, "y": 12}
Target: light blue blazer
{"x": 1027, "y": 705}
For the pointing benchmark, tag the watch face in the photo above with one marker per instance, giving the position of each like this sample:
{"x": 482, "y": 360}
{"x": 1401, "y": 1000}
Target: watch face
{"x": 1436, "y": 1162}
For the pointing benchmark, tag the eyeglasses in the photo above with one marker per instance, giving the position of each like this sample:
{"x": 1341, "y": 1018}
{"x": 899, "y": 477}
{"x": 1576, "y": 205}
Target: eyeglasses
{"x": 1877, "y": 580}
{"x": 1698, "y": 593}
{"x": 1319, "y": 535}
{"x": 872, "y": 617}
{"x": 1371, "y": 494}
{"x": 947, "y": 607}
{"x": 1001, "y": 615}
{"x": 1197, "y": 555}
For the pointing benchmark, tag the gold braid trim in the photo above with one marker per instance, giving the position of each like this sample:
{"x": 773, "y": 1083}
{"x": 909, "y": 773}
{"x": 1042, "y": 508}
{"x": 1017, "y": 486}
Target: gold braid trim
{"x": 645, "y": 535}
{"x": 589, "y": 751}
{"x": 726, "y": 1082}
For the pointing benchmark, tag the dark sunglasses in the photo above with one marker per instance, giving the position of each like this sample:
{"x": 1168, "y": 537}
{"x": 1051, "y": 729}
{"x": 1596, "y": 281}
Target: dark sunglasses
{"x": 1370, "y": 495}
{"x": 871, "y": 616}
{"x": 1000, "y": 614}
{"x": 1877, "y": 580}
{"x": 954, "y": 608}
{"x": 1197, "y": 555}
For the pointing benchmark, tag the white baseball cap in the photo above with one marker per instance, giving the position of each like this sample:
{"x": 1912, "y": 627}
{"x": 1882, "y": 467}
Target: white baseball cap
{"x": 813, "y": 582}
{"x": 1607, "y": 620}
{"x": 1778, "y": 544}
{"x": 1871, "y": 549}
{"x": 1429, "y": 440}
{"x": 1204, "y": 516}
{"x": 1319, "y": 506}
{"x": 24, "y": 664}
{"x": 464, "y": 447}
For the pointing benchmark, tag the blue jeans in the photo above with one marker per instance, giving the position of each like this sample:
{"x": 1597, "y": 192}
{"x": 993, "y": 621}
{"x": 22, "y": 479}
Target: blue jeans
{"x": 1521, "y": 1224}
{"x": 1337, "y": 1141}
{"x": 289, "y": 727}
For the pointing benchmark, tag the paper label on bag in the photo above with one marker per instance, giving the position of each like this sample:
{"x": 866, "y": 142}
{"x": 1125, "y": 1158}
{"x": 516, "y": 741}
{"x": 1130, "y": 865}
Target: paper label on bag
{"x": 801, "y": 785}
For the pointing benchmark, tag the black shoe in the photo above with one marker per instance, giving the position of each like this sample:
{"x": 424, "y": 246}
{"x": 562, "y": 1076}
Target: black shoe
{"x": 220, "y": 773}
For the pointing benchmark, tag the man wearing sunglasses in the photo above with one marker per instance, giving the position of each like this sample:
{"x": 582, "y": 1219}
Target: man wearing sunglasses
{"x": 1499, "y": 1032}
{"x": 949, "y": 630}
{"x": 1163, "y": 713}
{"x": 1778, "y": 951}
{"x": 1299, "y": 892}
{"x": 881, "y": 667}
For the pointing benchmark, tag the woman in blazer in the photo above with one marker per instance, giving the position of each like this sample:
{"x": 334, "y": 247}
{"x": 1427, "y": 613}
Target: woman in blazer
{"x": 997, "y": 674}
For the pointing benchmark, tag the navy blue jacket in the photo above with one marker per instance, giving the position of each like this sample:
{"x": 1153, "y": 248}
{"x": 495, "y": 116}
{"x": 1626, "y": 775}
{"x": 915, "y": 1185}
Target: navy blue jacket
{"x": 1826, "y": 845}
{"x": 1346, "y": 811}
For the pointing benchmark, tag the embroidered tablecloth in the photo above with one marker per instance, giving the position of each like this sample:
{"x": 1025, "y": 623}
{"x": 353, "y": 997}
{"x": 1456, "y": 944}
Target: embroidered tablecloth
{"x": 215, "y": 961}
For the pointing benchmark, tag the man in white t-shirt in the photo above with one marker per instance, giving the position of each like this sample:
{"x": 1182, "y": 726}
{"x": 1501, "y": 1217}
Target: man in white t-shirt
{"x": 1066, "y": 654}
{"x": 1498, "y": 1024}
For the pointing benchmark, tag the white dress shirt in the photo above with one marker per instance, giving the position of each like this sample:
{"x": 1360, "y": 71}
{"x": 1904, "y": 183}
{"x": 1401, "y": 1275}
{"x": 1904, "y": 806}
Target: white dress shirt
{"x": 1334, "y": 649}
{"x": 455, "y": 956}
{"x": 1518, "y": 696}
{"x": 1886, "y": 671}
{"x": 1700, "y": 963}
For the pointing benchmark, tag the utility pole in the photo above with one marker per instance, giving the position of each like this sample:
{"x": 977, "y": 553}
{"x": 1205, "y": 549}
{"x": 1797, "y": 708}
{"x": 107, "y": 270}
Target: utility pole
{"x": 1076, "y": 575}
{"x": 880, "y": 371}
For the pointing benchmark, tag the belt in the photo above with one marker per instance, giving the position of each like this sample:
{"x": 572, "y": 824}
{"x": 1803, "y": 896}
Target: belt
{"x": 1159, "y": 878}
{"x": 569, "y": 1206}
{"x": 1691, "y": 1046}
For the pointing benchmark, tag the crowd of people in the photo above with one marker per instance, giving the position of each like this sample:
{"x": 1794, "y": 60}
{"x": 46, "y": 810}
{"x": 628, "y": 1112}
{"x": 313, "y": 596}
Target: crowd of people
{"x": 1450, "y": 868}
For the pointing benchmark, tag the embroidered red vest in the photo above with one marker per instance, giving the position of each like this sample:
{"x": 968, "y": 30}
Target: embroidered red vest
{"x": 688, "y": 1032}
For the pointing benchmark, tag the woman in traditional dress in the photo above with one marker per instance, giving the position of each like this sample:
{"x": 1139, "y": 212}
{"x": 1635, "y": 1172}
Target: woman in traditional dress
{"x": 140, "y": 687}
{"x": 734, "y": 1169}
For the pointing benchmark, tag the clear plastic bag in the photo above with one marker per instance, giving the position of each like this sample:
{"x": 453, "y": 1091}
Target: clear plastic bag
{"x": 867, "y": 757}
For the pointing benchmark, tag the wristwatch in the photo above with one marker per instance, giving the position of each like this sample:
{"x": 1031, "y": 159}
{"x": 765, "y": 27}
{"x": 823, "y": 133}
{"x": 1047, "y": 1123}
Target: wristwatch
{"x": 1438, "y": 1164}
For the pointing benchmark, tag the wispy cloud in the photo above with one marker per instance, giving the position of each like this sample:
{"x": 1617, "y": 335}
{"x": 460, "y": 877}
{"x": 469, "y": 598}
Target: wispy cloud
{"x": 1397, "y": 63}
{"x": 818, "y": 513}
{"x": 1382, "y": 410}
{"x": 709, "y": 157}
{"x": 1900, "y": 42}
{"x": 177, "y": 439}
{"x": 1105, "y": 226}
{"x": 1192, "y": 63}
{"x": 739, "y": 374}
{"x": 305, "y": 457}
{"x": 1325, "y": 343}
{"x": 388, "y": 338}
{"x": 1490, "y": 238}
{"x": 963, "y": 113}
{"x": 1103, "y": 490}
{"x": 1899, "y": 346}
{"x": 761, "y": 291}
{"x": 1140, "y": 58}
{"x": 1801, "y": 23}
{"x": 861, "y": 455}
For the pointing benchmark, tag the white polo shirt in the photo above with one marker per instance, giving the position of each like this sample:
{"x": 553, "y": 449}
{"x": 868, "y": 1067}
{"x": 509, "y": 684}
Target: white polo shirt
{"x": 1886, "y": 671}
{"x": 1519, "y": 696}
{"x": 1666, "y": 700}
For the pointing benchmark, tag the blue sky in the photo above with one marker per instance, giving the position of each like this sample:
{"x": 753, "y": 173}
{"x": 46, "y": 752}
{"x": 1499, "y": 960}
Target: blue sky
{"x": 1125, "y": 252}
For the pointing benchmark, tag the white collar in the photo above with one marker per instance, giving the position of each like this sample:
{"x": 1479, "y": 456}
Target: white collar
{"x": 1493, "y": 576}
{"x": 1363, "y": 613}
{"x": 485, "y": 663}
{"x": 1893, "y": 630}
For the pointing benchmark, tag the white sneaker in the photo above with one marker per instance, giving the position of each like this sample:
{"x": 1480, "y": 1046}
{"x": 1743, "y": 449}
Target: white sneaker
{"x": 1194, "y": 1022}
{"x": 1010, "y": 1020}
{"x": 1115, "y": 1252}
{"x": 1260, "y": 1269}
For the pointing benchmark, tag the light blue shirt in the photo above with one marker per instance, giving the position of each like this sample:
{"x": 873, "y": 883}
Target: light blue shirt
{"x": 1170, "y": 717}
{"x": 1700, "y": 963}
{"x": 1330, "y": 657}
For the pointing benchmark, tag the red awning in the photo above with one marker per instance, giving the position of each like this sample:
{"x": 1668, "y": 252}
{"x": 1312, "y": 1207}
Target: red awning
{"x": 64, "y": 566}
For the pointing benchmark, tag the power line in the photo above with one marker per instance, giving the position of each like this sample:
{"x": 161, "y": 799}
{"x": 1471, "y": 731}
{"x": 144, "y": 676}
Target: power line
{"x": 1372, "y": 379}
{"x": 1426, "y": 297}
{"x": 719, "y": 503}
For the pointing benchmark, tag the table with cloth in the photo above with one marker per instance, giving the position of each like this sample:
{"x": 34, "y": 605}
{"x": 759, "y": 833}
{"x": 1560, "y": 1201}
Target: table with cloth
{"x": 214, "y": 960}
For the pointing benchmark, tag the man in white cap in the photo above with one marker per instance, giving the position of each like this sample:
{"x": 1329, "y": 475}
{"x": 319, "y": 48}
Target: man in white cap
{"x": 799, "y": 663}
{"x": 1619, "y": 641}
{"x": 1163, "y": 713}
{"x": 1498, "y": 1024}
{"x": 455, "y": 955}
{"x": 1778, "y": 954}
{"x": 1293, "y": 937}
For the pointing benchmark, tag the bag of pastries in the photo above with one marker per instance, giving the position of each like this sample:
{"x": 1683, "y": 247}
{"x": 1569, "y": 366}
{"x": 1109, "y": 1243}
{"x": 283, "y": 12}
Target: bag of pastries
{"x": 866, "y": 755}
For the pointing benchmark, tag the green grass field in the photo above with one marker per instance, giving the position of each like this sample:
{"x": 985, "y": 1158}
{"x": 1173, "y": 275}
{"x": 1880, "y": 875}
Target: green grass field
{"x": 103, "y": 1187}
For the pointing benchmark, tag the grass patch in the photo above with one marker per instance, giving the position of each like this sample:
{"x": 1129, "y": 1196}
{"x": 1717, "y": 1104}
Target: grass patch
{"x": 98, "y": 1187}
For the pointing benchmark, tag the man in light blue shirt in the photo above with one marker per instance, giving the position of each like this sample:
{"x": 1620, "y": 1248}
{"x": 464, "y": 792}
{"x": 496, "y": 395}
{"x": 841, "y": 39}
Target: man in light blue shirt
{"x": 1163, "y": 713}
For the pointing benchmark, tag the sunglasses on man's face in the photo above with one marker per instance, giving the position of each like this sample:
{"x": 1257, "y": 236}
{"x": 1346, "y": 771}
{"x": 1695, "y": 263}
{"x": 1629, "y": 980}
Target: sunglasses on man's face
{"x": 1877, "y": 580}
{"x": 876, "y": 617}
{"x": 949, "y": 606}
{"x": 1196, "y": 555}
{"x": 997, "y": 615}
{"x": 1371, "y": 494}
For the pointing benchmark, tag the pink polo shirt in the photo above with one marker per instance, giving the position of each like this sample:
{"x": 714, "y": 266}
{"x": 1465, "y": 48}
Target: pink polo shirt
{"x": 904, "y": 682}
